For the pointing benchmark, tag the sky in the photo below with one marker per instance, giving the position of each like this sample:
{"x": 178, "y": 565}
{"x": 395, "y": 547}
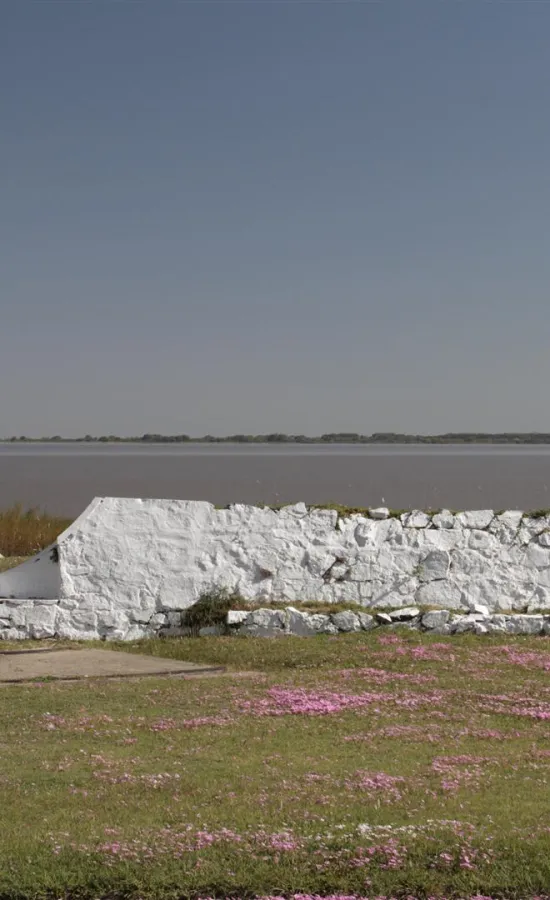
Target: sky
{"x": 274, "y": 215}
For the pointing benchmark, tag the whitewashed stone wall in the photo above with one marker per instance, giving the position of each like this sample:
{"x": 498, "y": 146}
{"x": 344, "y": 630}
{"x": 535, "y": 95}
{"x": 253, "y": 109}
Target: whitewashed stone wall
{"x": 126, "y": 568}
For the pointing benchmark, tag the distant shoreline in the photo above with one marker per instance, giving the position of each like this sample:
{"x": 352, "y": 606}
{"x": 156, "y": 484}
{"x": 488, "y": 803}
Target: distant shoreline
{"x": 505, "y": 438}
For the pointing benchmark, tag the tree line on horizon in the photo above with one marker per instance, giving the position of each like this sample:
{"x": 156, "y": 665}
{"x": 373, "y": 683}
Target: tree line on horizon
{"x": 339, "y": 437}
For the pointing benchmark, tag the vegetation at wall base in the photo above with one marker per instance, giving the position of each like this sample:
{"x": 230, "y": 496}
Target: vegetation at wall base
{"x": 211, "y": 609}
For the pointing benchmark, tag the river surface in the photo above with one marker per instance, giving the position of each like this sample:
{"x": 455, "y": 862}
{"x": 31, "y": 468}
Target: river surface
{"x": 64, "y": 478}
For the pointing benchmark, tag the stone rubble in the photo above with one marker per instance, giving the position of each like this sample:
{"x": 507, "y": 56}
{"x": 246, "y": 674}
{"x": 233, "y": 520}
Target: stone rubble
{"x": 40, "y": 619}
{"x": 291, "y": 621}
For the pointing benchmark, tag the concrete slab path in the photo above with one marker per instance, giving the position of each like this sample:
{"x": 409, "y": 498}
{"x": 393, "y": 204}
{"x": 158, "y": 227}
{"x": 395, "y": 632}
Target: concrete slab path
{"x": 73, "y": 665}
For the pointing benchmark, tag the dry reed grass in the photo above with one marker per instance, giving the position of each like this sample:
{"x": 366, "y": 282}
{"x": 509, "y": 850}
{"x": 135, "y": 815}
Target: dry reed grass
{"x": 24, "y": 532}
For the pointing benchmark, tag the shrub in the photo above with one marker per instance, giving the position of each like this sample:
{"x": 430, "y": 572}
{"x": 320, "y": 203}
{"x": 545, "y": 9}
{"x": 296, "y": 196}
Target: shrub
{"x": 211, "y": 609}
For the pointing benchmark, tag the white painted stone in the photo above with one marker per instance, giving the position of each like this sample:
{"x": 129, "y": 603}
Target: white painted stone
{"x": 110, "y": 622}
{"x": 443, "y": 519}
{"x": 538, "y": 556}
{"x": 403, "y": 615}
{"x": 395, "y": 591}
{"x": 475, "y": 518}
{"x": 264, "y": 623}
{"x": 346, "y": 621}
{"x": 535, "y": 525}
{"x": 539, "y": 600}
{"x": 12, "y": 634}
{"x": 364, "y": 532}
{"x": 301, "y": 623}
{"x": 323, "y": 624}
{"x": 67, "y": 629}
{"x": 415, "y": 519}
{"x": 467, "y": 624}
{"x": 429, "y": 539}
{"x": 435, "y": 566}
{"x": 385, "y": 531}
{"x": 389, "y": 563}
{"x": 510, "y": 518}
{"x": 480, "y": 609}
{"x": 20, "y": 613}
{"x": 439, "y": 593}
{"x": 498, "y": 595}
{"x": 471, "y": 563}
{"x": 524, "y": 624}
{"x": 367, "y": 622}
{"x": 435, "y": 618}
{"x": 523, "y": 536}
{"x": 379, "y": 512}
{"x": 496, "y": 625}
{"x": 40, "y": 621}
{"x": 383, "y": 619}
{"x": 236, "y": 616}
{"x": 482, "y": 540}
{"x": 506, "y": 525}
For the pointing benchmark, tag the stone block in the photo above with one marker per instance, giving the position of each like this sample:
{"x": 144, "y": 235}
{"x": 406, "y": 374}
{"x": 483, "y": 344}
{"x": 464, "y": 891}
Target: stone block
{"x": 236, "y": 616}
{"x": 435, "y": 618}
{"x": 346, "y": 621}
{"x": 264, "y": 623}
{"x": 40, "y": 621}
{"x": 415, "y": 519}
{"x": 379, "y": 512}
{"x": 435, "y": 566}
{"x": 475, "y": 518}
{"x": 405, "y": 614}
{"x": 443, "y": 519}
{"x": 524, "y": 624}
{"x": 367, "y": 622}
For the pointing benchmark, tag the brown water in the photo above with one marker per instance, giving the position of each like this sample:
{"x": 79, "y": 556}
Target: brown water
{"x": 64, "y": 478}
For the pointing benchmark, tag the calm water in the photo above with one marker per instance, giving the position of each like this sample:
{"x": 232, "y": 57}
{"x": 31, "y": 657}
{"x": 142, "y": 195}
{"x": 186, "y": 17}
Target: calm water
{"x": 64, "y": 478}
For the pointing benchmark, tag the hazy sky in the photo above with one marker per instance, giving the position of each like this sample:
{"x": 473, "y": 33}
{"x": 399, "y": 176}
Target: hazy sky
{"x": 274, "y": 216}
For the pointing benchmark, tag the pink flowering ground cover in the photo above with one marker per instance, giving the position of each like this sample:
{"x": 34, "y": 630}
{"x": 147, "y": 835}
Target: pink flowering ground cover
{"x": 371, "y": 766}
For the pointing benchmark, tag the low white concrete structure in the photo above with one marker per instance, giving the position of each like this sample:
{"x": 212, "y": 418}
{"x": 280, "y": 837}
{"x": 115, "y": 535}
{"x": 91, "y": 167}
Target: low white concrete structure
{"x": 127, "y": 568}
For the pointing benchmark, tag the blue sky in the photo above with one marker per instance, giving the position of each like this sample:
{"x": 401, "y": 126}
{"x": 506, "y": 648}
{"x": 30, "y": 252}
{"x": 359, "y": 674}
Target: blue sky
{"x": 274, "y": 216}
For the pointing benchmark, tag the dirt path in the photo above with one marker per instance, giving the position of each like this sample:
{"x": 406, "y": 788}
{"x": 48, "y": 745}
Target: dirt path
{"x": 72, "y": 665}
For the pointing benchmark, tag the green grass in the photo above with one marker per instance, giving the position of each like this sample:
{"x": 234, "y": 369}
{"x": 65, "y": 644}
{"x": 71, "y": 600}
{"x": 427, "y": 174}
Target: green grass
{"x": 234, "y": 786}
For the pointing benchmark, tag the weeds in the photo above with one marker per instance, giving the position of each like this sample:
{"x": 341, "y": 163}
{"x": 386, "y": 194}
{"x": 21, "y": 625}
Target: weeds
{"x": 211, "y": 610}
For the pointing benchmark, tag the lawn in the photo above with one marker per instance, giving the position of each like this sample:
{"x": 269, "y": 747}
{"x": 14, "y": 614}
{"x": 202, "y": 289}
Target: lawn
{"x": 375, "y": 765}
